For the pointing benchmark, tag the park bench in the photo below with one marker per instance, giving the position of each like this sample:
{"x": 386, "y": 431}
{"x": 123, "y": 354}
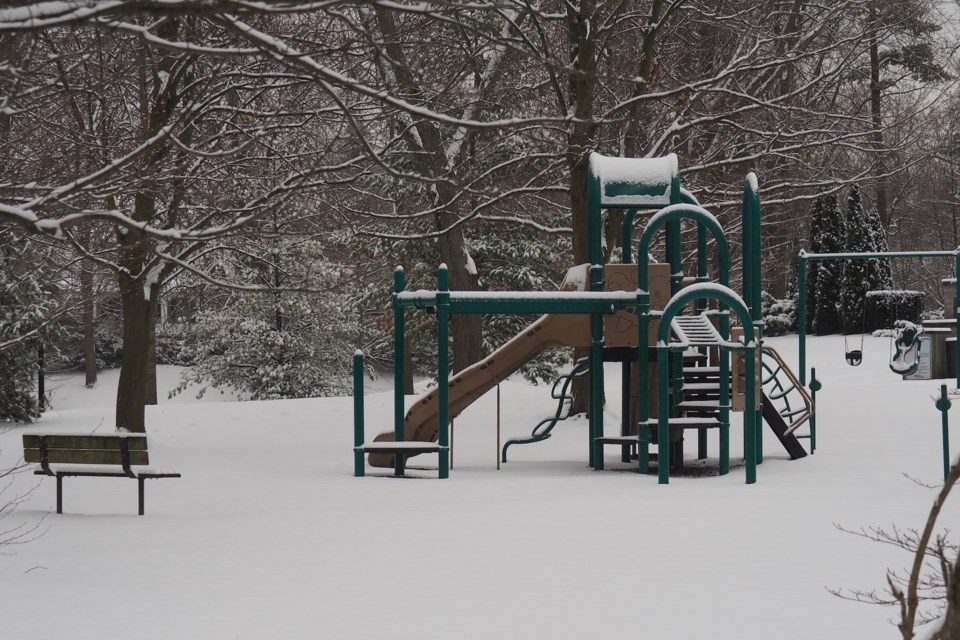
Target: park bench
{"x": 117, "y": 455}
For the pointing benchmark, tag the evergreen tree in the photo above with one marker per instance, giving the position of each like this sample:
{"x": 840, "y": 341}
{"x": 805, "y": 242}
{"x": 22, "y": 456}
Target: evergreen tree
{"x": 271, "y": 345}
{"x": 832, "y": 237}
{"x": 856, "y": 273}
{"x": 816, "y": 246}
{"x": 25, "y": 308}
{"x": 880, "y": 275}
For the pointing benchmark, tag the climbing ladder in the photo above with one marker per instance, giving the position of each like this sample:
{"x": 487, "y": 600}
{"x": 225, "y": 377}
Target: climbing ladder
{"x": 786, "y": 403}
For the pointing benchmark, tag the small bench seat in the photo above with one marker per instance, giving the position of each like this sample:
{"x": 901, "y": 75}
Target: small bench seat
{"x": 117, "y": 455}
{"x": 410, "y": 447}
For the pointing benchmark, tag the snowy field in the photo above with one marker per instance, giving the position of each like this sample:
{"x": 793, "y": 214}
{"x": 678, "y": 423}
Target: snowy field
{"x": 269, "y": 536}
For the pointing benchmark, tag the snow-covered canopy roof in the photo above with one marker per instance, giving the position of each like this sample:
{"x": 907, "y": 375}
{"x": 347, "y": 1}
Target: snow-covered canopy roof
{"x": 635, "y": 182}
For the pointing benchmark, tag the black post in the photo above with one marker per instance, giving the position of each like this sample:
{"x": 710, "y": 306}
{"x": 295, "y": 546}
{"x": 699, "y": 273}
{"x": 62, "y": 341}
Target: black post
{"x": 40, "y": 381}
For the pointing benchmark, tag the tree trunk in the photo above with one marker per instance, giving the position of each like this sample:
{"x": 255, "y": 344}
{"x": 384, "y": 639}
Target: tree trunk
{"x": 150, "y": 392}
{"x": 880, "y": 165}
{"x": 89, "y": 328}
{"x": 465, "y": 330}
{"x": 582, "y": 89}
{"x": 138, "y": 326}
{"x": 950, "y": 629}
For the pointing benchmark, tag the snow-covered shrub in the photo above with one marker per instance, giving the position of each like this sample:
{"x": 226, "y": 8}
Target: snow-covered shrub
{"x": 779, "y": 316}
{"x": 278, "y": 344}
{"x": 883, "y": 308}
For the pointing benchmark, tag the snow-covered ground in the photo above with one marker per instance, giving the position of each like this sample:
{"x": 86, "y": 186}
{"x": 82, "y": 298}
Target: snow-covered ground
{"x": 269, "y": 536}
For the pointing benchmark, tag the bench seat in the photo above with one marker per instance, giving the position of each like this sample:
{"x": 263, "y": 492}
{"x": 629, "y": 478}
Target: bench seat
{"x": 115, "y": 455}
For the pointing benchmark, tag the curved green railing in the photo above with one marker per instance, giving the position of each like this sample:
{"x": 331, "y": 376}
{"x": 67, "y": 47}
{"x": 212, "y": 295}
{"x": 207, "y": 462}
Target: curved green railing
{"x": 544, "y": 428}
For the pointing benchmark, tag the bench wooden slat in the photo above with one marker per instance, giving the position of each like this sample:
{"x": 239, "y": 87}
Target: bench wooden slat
{"x": 410, "y": 447}
{"x": 110, "y": 442}
{"x": 114, "y": 455}
{"x": 86, "y": 456}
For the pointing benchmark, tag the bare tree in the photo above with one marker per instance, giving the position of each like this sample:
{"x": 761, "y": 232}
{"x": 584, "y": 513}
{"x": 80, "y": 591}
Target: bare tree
{"x": 933, "y": 577}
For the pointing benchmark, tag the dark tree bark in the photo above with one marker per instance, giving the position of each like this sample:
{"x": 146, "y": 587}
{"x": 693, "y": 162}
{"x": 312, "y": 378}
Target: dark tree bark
{"x": 880, "y": 165}
{"x": 139, "y": 289}
{"x": 89, "y": 328}
{"x": 465, "y": 330}
{"x": 582, "y": 85}
{"x": 139, "y": 312}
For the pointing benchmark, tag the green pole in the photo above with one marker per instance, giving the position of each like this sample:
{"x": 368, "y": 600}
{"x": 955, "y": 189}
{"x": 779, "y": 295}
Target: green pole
{"x": 358, "y": 466}
{"x": 399, "y": 461}
{"x": 956, "y": 314}
{"x": 443, "y": 368}
{"x": 815, "y": 385}
{"x": 596, "y": 374}
{"x": 749, "y": 416}
{"x": 626, "y": 369}
{"x": 643, "y": 382}
{"x": 802, "y": 315}
{"x": 753, "y": 294}
{"x": 943, "y": 404}
{"x": 663, "y": 417}
{"x": 626, "y": 407}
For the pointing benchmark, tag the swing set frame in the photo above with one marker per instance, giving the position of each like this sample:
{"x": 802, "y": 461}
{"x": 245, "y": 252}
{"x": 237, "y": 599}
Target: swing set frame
{"x": 804, "y": 257}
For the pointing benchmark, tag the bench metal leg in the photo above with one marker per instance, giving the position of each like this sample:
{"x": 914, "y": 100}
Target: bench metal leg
{"x": 59, "y": 493}
{"x": 140, "y": 487}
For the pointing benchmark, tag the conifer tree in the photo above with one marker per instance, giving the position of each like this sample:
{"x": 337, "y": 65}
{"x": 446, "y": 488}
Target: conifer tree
{"x": 816, "y": 246}
{"x": 25, "y": 308}
{"x": 880, "y": 274}
{"x": 832, "y": 237}
{"x": 856, "y": 273}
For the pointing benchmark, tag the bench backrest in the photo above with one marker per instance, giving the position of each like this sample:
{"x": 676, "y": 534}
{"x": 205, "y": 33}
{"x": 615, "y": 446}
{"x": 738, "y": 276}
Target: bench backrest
{"x": 119, "y": 449}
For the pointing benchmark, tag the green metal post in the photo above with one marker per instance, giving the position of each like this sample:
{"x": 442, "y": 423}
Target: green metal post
{"x": 626, "y": 370}
{"x": 443, "y": 368}
{"x": 943, "y": 404}
{"x": 724, "y": 395}
{"x": 358, "y": 466}
{"x": 802, "y": 315}
{"x": 596, "y": 374}
{"x": 815, "y": 385}
{"x": 663, "y": 419}
{"x": 399, "y": 409}
{"x": 643, "y": 382}
{"x": 957, "y": 314}
{"x": 626, "y": 407}
{"x": 753, "y": 286}
{"x": 750, "y": 417}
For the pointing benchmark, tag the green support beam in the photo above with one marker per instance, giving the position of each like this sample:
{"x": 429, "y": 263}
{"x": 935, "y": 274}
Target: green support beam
{"x": 399, "y": 337}
{"x": 358, "y": 436}
{"x": 443, "y": 368}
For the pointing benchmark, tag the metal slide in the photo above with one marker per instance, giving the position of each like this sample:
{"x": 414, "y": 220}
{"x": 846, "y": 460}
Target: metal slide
{"x": 471, "y": 383}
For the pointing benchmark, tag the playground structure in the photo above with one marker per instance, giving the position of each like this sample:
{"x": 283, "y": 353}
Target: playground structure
{"x": 671, "y": 333}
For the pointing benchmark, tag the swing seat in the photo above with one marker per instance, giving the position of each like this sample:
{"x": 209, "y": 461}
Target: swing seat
{"x": 906, "y": 357}
{"x": 854, "y": 357}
